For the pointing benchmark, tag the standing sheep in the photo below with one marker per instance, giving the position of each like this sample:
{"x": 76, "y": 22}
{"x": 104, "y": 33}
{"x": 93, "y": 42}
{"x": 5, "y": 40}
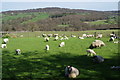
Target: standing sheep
{"x": 56, "y": 38}
{"x": 99, "y": 36}
{"x": 18, "y": 51}
{"x": 90, "y": 52}
{"x": 62, "y": 44}
{"x": 111, "y": 39}
{"x": 47, "y": 47}
{"x": 71, "y": 72}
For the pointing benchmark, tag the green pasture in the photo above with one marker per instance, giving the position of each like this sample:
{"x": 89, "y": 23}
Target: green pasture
{"x": 35, "y": 62}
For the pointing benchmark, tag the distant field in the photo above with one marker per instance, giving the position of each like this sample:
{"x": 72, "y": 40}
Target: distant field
{"x": 35, "y": 62}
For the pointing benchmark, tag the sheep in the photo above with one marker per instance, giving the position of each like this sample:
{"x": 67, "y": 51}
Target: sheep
{"x": 49, "y": 35}
{"x": 84, "y": 35}
{"x": 90, "y": 35}
{"x": 99, "y": 36}
{"x": 112, "y": 39}
{"x": 55, "y": 35}
{"x": 3, "y": 46}
{"x": 90, "y": 52}
{"x": 21, "y": 35}
{"x": 47, "y": 47}
{"x": 116, "y": 42}
{"x": 97, "y": 59}
{"x": 44, "y": 35}
{"x": 46, "y": 39}
{"x": 62, "y": 44}
{"x": 71, "y": 72}
{"x": 81, "y": 37}
{"x": 66, "y": 38}
{"x": 73, "y": 36}
{"x": 5, "y": 40}
{"x": 56, "y": 38}
{"x": 18, "y": 51}
{"x": 97, "y": 43}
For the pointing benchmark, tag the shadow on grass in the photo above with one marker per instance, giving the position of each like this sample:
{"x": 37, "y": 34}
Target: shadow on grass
{"x": 52, "y": 66}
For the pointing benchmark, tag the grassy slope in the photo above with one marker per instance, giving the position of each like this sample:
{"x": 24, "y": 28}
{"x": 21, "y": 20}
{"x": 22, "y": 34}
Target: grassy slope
{"x": 35, "y": 62}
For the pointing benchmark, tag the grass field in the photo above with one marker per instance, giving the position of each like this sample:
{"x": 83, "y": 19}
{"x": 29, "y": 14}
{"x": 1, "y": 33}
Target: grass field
{"x": 35, "y": 62}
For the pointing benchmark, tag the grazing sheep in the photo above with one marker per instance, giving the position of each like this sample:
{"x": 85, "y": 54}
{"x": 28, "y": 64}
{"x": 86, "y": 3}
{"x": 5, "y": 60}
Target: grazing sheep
{"x": 112, "y": 39}
{"x": 47, "y": 47}
{"x": 62, "y": 44}
{"x": 97, "y": 59}
{"x": 97, "y": 43}
{"x": 46, "y": 39}
{"x": 18, "y": 51}
{"x": 5, "y": 40}
{"x": 90, "y": 52}
{"x": 56, "y": 38}
{"x": 99, "y": 36}
{"x": 71, "y": 72}
{"x": 44, "y": 35}
{"x": 3, "y": 46}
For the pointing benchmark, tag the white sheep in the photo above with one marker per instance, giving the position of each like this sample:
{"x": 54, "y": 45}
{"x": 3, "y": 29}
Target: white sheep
{"x": 44, "y": 35}
{"x": 97, "y": 43}
{"x": 84, "y": 35}
{"x": 90, "y": 52}
{"x": 56, "y": 38}
{"x": 81, "y": 37}
{"x": 99, "y": 36}
{"x": 46, "y": 39}
{"x": 66, "y": 38}
{"x": 47, "y": 47}
{"x": 49, "y": 35}
{"x": 62, "y": 44}
{"x": 116, "y": 42}
{"x": 71, "y": 72}
{"x": 3, "y": 46}
{"x": 5, "y": 40}
{"x": 18, "y": 51}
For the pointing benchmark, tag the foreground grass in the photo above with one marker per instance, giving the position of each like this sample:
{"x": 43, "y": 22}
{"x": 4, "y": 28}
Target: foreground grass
{"x": 35, "y": 62}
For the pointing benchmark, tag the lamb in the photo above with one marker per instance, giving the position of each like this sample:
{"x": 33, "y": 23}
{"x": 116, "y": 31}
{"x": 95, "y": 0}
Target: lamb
{"x": 112, "y": 39}
{"x": 5, "y": 40}
{"x": 71, "y": 72}
{"x": 62, "y": 44}
{"x": 97, "y": 43}
{"x": 90, "y": 52}
{"x": 18, "y": 51}
{"x": 47, "y": 47}
{"x": 3, "y": 46}
{"x": 46, "y": 39}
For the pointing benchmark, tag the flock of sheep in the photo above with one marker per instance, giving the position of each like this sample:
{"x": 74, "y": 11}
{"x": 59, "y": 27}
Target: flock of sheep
{"x": 71, "y": 71}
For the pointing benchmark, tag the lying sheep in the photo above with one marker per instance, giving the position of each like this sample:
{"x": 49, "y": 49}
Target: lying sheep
{"x": 3, "y": 46}
{"x": 46, "y": 39}
{"x": 98, "y": 59}
{"x": 81, "y": 37}
{"x": 49, "y": 35}
{"x": 18, "y": 51}
{"x": 84, "y": 35}
{"x": 97, "y": 43}
{"x": 99, "y": 36}
{"x": 47, "y": 47}
{"x": 90, "y": 52}
{"x": 44, "y": 35}
{"x": 62, "y": 44}
{"x": 71, "y": 72}
{"x": 116, "y": 42}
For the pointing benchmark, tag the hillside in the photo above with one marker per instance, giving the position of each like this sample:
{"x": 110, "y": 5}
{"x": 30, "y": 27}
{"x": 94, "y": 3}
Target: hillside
{"x": 58, "y": 19}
